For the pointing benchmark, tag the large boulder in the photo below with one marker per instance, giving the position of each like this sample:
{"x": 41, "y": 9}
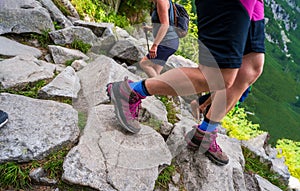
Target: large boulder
{"x": 24, "y": 16}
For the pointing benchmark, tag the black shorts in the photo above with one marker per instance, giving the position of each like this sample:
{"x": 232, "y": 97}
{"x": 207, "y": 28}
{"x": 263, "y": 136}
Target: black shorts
{"x": 256, "y": 37}
{"x": 223, "y": 32}
{"x": 164, "y": 51}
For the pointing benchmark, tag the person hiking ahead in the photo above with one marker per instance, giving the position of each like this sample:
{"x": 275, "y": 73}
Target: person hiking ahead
{"x": 166, "y": 40}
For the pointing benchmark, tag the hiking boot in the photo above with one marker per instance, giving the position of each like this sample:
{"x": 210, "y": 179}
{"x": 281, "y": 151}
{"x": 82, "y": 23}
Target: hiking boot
{"x": 206, "y": 143}
{"x": 127, "y": 104}
{"x": 3, "y": 118}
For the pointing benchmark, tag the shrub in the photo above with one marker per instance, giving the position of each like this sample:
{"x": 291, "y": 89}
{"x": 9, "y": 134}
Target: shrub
{"x": 291, "y": 152}
{"x": 239, "y": 126}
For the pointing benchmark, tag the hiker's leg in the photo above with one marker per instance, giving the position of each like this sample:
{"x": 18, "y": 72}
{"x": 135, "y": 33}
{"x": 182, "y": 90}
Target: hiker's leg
{"x": 153, "y": 66}
{"x": 148, "y": 67}
{"x": 189, "y": 81}
{"x": 250, "y": 70}
{"x": 158, "y": 68}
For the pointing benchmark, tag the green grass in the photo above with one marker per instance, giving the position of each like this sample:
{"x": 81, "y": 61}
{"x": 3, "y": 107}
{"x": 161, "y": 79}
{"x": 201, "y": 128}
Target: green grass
{"x": 253, "y": 165}
{"x": 82, "y": 118}
{"x": 30, "y": 90}
{"x": 16, "y": 175}
{"x": 80, "y": 45}
{"x": 44, "y": 38}
{"x": 165, "y": 177}
{"x": 272, "y": 100}
{"x": 171, "y": 109}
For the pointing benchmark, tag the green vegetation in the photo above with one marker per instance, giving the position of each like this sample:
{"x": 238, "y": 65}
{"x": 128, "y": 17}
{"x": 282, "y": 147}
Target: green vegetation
{"x": 82, "y": 118}
{"x": 241, "y": 128}
{"x": 14, "y": 175}
{"x": 100, "y": 12}
{"x": 253, "y": 165}
{"x": 56, "y": 26}
{"x": 238, "y": 126}
{"x": 62, "y": 8}
{"x": 165, "y": 177}
{"x": 155, "y": 124}
{"x": 170, "y": 107}
{"x": 30, "y": 90}
{"x": 44, "y": 38}
{"x": 291, "y": 152}
{"x": 80, "y": 45}
{"x": 69, "y": 62}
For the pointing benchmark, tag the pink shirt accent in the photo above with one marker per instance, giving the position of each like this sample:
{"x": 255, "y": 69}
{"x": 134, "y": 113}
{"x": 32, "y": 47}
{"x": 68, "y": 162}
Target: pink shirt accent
{"x": 255, "y": 9}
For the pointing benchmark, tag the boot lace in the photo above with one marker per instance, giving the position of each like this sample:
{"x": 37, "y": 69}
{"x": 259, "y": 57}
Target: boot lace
{"x": 214, "y": 147}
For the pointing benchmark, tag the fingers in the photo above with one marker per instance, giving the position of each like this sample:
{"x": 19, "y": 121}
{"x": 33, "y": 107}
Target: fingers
{"x": 152, "y": 53}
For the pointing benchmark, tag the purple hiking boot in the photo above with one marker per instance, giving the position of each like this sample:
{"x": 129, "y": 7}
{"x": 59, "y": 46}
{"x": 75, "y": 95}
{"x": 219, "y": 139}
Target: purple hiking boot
{"x": 127, "y": 104}
{"x": 206, "y": 143}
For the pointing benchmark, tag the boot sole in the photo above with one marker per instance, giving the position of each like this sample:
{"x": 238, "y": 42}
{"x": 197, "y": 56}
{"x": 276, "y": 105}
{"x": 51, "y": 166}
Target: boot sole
{"x": 3, "y": 123}
{"x": 215, "y": 160}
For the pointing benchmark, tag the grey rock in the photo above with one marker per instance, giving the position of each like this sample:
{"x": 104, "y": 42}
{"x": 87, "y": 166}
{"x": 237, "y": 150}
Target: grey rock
{"x": 176, "y": 61}
{"x": 24, "y": 16}
{"x": 66, "y": 84}
{"x": 12, "y": 48}
{"x": 61, "y": 55}
{"x": 56, "y": 14}
{"x": 29, "y": 70}
{"x": 78, "y": 64}
{"x": 109, "y": 158}
{"x": 265, "y": 185}
{"x": 99, "y": 29}
{"x": 128, "y": 51}
{"x": 94, "y": 78}
{"x": 36, "y": 174}
{"x": 69, "y": 34}
{"x": 104, "y": 44}
{"x": 35, "y": 128}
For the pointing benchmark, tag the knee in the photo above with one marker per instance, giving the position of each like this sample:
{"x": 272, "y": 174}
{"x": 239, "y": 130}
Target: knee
{"x": 255, "y": 63}
{"x": 228, "y": 83}
{"x": 143, "y": 63}
{"x": 258, "y": 71}
{"x": 254, "y": 73}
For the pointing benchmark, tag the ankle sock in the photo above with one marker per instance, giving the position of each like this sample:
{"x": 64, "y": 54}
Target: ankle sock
{"x": 139, "y": 87}
{"x": 208, "y": 125}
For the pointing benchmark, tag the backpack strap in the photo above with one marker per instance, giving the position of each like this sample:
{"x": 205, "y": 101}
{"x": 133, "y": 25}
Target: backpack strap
{"x": 172, "y": 13}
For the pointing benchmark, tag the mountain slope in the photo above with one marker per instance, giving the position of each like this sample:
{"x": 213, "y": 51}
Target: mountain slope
{"x": 275, "y": 92}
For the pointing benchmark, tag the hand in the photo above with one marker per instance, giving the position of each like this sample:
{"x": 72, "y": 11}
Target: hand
{"x": 153, "y": 51}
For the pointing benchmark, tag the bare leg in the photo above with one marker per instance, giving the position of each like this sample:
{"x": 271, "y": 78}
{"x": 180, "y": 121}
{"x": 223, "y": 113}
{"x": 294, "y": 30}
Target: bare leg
{"x": 158, "y": 68}
{"x": 249, "y": 72}
{"x": 189, "y": 81}
{"x": 150, "y": 68}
